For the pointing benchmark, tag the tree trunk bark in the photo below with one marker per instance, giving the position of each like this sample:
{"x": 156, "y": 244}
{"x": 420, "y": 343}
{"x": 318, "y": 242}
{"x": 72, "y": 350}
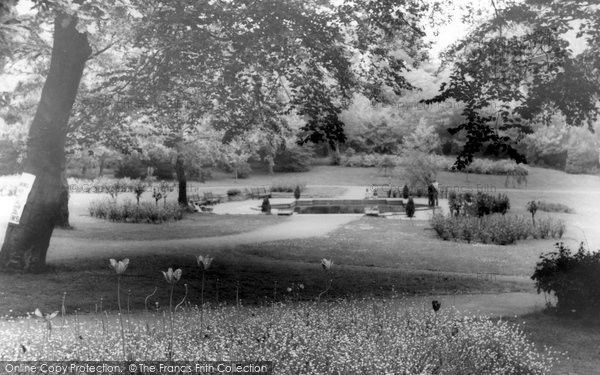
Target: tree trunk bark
{"x": 101, "y": 166}
{"x": 26, "y": 244}
{"x": 182, "y": 180}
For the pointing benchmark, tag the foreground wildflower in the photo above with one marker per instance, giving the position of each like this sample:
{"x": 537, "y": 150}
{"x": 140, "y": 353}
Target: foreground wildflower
{"x": 204, "y": 261}
{"x": 172, "y": 276}
{"x": 119, "y": 266}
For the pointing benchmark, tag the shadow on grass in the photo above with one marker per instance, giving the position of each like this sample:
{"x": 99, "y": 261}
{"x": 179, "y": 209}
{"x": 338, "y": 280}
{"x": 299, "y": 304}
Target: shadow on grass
{"x": 255, "y": 281}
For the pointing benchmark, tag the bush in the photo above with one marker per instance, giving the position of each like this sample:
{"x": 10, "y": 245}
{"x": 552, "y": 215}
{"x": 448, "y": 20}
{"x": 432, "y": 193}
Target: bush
{"x": 128, "y": 212}
{"x": 131, "y": 167}
{"x": 362, "y": 160}
{"x": 574, "y": 278}
{"x": 554, "y": 207}
{"x": 582, "y": 159}
{"x": 293, "y": 159}
{"x": 496, "y": 228}
{"x": 479, "y": 205}
{"x": 234, "y": 192}
{"x": 282, "y": 187}
{"x": 164, "y": 170}
{"x": 485, "y": 166}
{"x": 297, "y": 192}
{"x": 266, "y": 206}
{"x": 410, "y": 208}
{"x": 420, "y": 169}
{"x": 242, "y": 170}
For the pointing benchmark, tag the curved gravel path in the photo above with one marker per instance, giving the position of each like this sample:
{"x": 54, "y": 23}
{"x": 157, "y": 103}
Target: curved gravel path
{"x": 297, "y": 227}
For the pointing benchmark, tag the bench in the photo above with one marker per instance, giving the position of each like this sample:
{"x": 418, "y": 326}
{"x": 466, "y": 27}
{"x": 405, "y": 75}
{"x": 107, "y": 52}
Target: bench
{"x": 260, "y": 192}
{"x": 372, "y": 211}
{"x": 209, "y": 198}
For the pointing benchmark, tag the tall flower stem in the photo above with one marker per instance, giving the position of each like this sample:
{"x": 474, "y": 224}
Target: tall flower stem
{"x": 121, "y": 315}
{"x": 171, "y": 315}
{"x": 202, "y": 304}
{"x": 146, "y": 309}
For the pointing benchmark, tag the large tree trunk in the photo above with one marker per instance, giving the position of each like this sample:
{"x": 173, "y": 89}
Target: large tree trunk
{"x": 182, "y": 180}
{"x": 26, "y": 244}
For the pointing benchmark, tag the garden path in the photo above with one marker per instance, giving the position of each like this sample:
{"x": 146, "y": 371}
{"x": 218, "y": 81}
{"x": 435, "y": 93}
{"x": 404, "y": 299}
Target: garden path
{"x": 297, "y": 227}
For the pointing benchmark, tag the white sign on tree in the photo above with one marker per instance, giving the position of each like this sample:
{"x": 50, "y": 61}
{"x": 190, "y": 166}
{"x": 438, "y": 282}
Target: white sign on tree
{"x": 23, "y": 190}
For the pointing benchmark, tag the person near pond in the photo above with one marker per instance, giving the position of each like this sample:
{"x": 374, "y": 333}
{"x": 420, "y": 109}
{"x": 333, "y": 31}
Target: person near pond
{"x": 430, "y": 194}
{"x": 436, "y": 188}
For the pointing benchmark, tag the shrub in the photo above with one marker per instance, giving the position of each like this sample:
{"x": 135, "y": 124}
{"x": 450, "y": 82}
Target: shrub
{"x": 420, "y": 169}
{"x": 410, "y": 208}
{"x": 127, "y": 212}
{"x": 234, "y": 192}
{"x": 138, "y": 189}
{"x": 532, "y": 208}
{"x": 363, "y": 160}
{"x": 496, "y": 228}
{"x": 582, "y": 160}
{"x": 242, "y": 170}
{"x": 574, "y": 278}
{"x": 297, "y": 192}
{"x": 199, "y": 173}
{"x": 479, "y": 205}
{"x": 266, "y": 206}
{"x": 501, "y": 204}
{"x": 485, "y": 166}
{"x": 164, "y": 170}
{"x": 554, "y": 207}
{"x": 293, "y": 159}
{"x": 283, "y": 187}
{"x": 387, "y": 164}
{"x": 131, "y": 167}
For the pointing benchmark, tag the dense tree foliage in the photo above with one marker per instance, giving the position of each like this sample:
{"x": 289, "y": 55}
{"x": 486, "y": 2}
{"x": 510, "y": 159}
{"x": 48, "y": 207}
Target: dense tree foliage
{"x": 518, "y": 68}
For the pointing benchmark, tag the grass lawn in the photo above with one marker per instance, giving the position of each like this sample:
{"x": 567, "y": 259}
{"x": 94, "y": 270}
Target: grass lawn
{"x": 577, "y": 338}
{"x": 191, "y": 226}
{"x": 373, "y": 257}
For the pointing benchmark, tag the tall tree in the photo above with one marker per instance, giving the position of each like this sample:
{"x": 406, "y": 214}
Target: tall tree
{"x": 248, "y": 63}
{"x": 518, "y": 68}
{"x": 26, "y": 243}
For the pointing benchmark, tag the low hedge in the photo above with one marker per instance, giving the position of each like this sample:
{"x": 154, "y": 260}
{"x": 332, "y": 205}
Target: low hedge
{"x": 496, "y": 228}
{"x": 129, "y": 212}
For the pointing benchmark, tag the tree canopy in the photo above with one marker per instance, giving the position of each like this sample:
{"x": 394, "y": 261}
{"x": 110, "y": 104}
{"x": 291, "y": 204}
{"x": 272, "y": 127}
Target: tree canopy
{"x": 519, "y": 68}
